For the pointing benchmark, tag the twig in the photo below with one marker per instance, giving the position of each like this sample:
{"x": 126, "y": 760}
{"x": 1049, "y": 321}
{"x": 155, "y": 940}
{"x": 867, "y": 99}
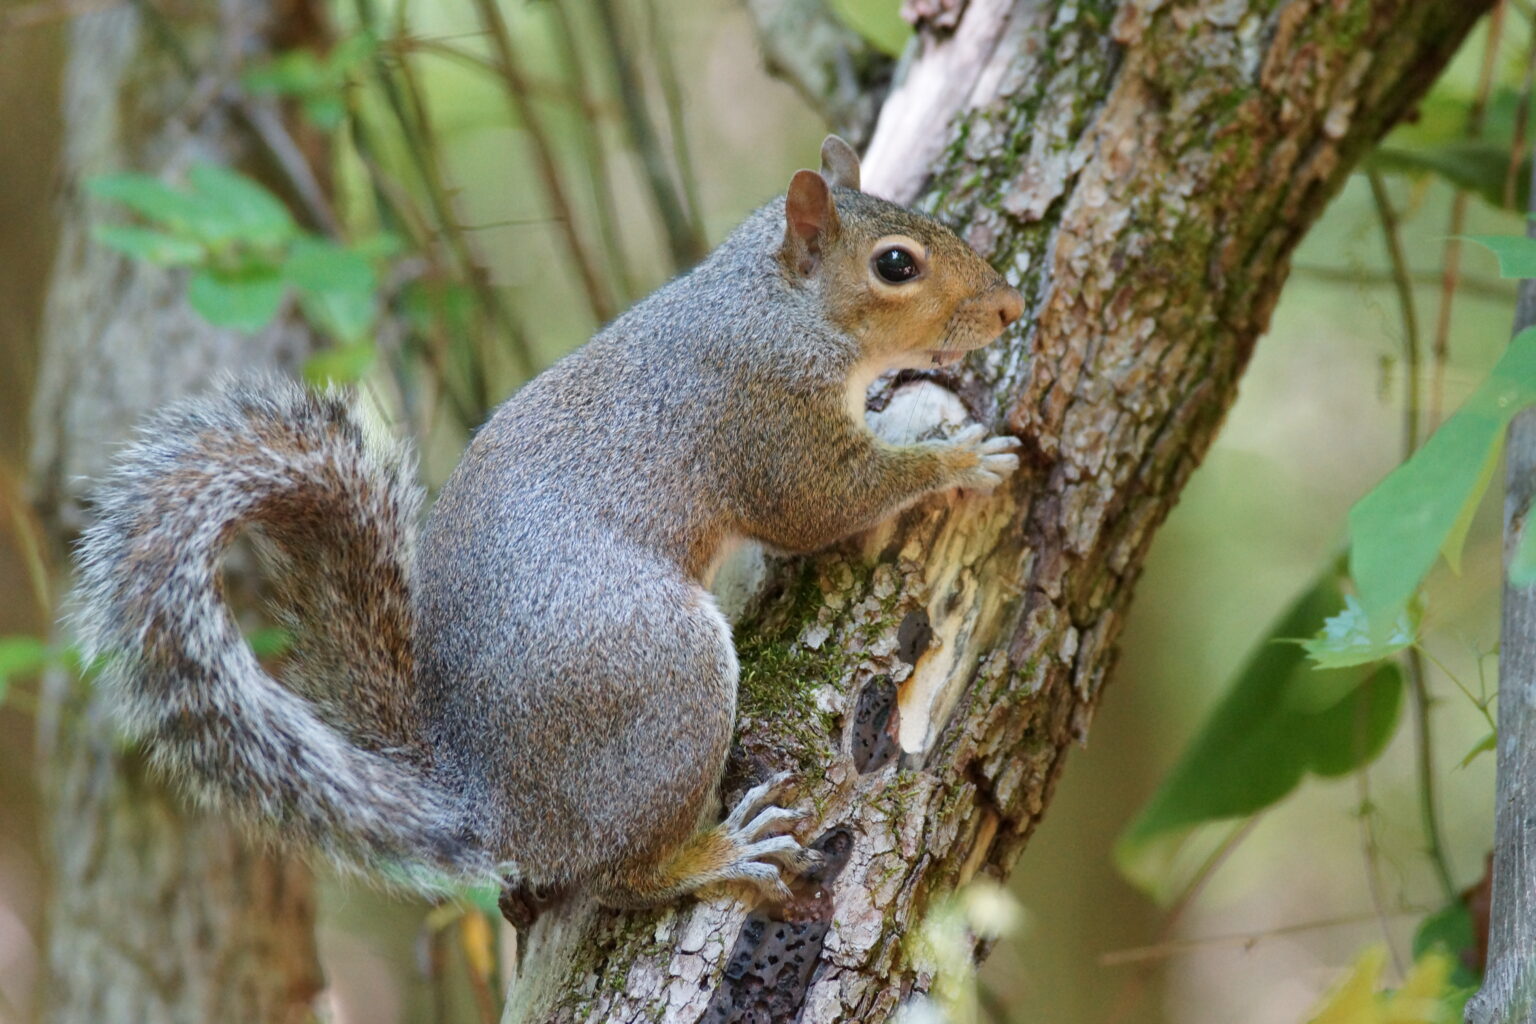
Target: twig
{"x": 1371, "y": 848}
{"x": 28, "y": 534}
{"x": 684, "y": 238}
{"x": 1450, "y": 263}
{"x": 1163, "y": 950}
{"x": 405, "y": 102}
{"x": 1429, "y": 807}
{"x": 1522, "y": 120}
{"x": 539, "y": 88}
{"x": 1482, "y": 287}
{"x": 1413, "y": 663}
{"x": 1479, "y": 702}
{"x": 422, "y": 140}
{"x": 278, "y": 141}
{"x": 270, "y": 135}
{"x": 672, "y": 98}
{"x": 838, "y": 72}
{"x": 1403, "y": 282}
{"x": 594, "y": 154}
{"x": 507, "y": 65}
{"x": 1134, "y": 989}
{"x": 398, "y": 209}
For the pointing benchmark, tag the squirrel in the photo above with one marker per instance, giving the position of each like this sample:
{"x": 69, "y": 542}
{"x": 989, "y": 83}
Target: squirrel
{"x": 539, "y": 691}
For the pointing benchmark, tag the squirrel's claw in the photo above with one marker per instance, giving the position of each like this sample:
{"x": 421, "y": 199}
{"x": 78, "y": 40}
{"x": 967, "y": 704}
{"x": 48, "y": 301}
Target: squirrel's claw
{"x": 995, "y": 458}
{"x": 761, "y": 856}
{"x": 755, "y": 800}
{"x": 767, "y": 818}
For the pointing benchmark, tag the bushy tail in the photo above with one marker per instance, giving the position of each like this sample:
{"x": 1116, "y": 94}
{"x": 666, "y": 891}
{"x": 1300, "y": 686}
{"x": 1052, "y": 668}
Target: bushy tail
{"x": 334, "y": 759}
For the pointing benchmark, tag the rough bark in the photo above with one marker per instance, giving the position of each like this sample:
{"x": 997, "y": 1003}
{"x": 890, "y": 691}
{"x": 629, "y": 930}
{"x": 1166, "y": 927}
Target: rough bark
{"x": 1142, "y": 170}
{"x": 1508, "y": 994}
{"x": 156, "y": 914}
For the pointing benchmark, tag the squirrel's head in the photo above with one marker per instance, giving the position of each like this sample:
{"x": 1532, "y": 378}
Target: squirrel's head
{"x": 902, "y": 283}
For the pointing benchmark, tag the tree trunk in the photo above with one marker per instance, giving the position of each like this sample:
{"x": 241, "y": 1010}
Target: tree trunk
{"x": 1142, "y": 171}
{"x": 1508, "y": 993}
{"x": 156, "y": 914}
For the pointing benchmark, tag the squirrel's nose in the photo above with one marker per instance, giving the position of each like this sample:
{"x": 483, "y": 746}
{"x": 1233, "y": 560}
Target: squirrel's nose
{"x": 1010, "y": 305}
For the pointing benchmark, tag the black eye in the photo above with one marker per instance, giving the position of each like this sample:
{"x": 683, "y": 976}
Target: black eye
{"x": 896, "y": 265}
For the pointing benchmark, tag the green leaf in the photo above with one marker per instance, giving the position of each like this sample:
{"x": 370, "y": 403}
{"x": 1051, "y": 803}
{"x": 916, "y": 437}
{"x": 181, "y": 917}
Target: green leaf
{"x": 319, "y": 265}
{"x": 1355, "y": 731}
{"x": 349, "y": 54}
{"x": 1522, "y": 564}
{"x": 1279, "y": 720}
{"x": 1456, "y": 539}
{"x": 337, "y": 288}
{"x": 1477, "y": 166}
{"x": 1400, "y": 528}
{"x": 151, "y": 246}
{"x": 346, "y": 316}
{"x": 877, "y": 21}
{"x": 269, "y": 641}
{"x": 149, "y": 197}
{"x": 380, "y": 246}
{"x": 20, "y": 656}
{"x": 294, "y": 73}
{"x": 1349, "y": 638}
{"x": 325, "y": 112}
{"x": 1516, "y": 253}
{"x": 221, "y": 207}
{"x": 246, "y": 300}
{"x": 235, "y": 208}
{"x": 1483, "y": 746}
{"x": 1449, "y": 931}
{"x": 431, "y": 305}
{"x": 344, "y": 364}
{"x": 484, "y": 898}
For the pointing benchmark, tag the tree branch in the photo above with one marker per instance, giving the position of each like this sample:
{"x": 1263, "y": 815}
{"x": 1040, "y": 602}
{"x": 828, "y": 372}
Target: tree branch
{"x": 1142, "y": 171}
{"x": 834, "y": 69}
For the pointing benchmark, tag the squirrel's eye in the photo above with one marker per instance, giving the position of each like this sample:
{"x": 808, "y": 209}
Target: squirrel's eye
{"x": 896, "y": 265}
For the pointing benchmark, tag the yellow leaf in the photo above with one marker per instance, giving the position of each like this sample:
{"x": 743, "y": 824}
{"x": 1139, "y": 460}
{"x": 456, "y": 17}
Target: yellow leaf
{"x": 479, "y": 943}
{"x": 1421, "y": 1000}
{"x": 1354, "y": 1001}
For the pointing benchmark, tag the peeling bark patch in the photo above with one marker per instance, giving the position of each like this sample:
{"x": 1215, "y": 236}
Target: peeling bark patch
{"x": 913, "y": 636}
{"x": 875, "y": 721}
{"x": 770, "y": 968}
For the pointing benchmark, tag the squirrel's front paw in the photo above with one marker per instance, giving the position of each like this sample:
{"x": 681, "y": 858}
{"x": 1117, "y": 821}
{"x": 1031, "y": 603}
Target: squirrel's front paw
{"x": 982, "y": 461}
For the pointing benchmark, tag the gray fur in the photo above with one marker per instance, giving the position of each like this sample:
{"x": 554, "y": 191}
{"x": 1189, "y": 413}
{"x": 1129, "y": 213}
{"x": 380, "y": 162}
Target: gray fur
{"x": 340, "y": 519}
{"x": 553, "y": 694}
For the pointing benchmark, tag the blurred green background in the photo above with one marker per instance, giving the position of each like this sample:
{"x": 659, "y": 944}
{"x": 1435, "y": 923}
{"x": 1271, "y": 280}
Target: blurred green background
{"x": 1318, "y": 422}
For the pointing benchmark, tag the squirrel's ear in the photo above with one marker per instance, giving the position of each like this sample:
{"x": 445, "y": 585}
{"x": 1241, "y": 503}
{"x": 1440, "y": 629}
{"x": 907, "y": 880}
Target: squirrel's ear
{"x": 839, "y": 163}
{"x": 809, "y": 218}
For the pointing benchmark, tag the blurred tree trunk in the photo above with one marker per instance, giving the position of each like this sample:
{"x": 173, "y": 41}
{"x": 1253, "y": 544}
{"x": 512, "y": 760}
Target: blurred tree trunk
{"x": 1142, "y": 170}
{"x": 156, "y": 914}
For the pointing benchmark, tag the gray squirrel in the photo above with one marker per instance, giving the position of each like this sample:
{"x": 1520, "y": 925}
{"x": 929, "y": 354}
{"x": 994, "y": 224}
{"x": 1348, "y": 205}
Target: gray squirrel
{"x": 540, "y": 690}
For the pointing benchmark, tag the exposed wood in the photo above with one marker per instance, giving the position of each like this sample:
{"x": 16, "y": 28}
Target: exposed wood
{"x": 155, "y": 915}
{"x": 1143, "y": 171}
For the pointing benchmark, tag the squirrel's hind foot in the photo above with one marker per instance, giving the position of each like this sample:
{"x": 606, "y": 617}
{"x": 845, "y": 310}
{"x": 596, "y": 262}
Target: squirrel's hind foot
{"x": 744, "y": 854}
